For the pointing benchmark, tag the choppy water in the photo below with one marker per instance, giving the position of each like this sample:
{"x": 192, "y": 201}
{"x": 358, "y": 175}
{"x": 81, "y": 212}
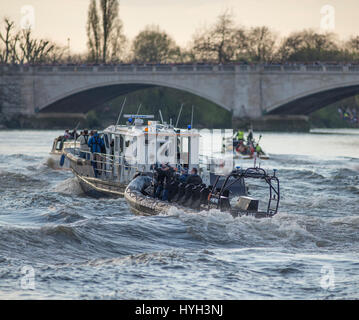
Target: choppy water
{"x": 82, "y": 248}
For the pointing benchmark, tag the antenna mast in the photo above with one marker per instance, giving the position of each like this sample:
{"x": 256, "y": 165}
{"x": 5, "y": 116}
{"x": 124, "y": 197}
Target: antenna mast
{"x": 119, "y": 116}
{"x": 179, "y": 114}
{"x": 192, "y": 117}
{"x": 161, "y": 116}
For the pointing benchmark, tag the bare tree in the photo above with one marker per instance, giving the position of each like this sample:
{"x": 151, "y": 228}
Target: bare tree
{"x": 104, "y": 31}
{"x": 20, "y": 47}
{"x": 220, "y": 43}
{"x": 9, "y": 41}
{"x": 109, "y": 9}
{"x": 261, "y": 44}
{"x": 33, "y": 50}
{"x": 93, "y": 32}
{"x": 118, "y": 43}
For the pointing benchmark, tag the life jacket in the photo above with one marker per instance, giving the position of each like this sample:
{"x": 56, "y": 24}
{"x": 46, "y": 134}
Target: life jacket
{"x": 96, "y": 144}
{"x": 240, "y": 135}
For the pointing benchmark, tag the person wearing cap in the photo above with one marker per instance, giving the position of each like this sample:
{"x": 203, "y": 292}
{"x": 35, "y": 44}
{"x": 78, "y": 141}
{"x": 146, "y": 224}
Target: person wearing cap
{"x": 184, "y": 175}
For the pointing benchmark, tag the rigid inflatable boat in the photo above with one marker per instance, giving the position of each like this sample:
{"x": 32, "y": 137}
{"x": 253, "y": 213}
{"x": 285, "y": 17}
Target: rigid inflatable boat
{"x": 228, "y": 194}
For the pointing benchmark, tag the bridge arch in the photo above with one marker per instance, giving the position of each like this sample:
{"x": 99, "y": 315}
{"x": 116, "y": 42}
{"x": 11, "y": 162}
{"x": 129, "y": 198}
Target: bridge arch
{"x": 84, "y": 98}
{"x": 312, "y": 100}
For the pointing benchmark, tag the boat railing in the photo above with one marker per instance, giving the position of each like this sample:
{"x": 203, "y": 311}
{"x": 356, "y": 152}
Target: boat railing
{"x": 107, "y": 166}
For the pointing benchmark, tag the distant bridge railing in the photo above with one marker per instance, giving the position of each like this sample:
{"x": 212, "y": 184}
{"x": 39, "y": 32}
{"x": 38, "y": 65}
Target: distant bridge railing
{"x": 185, "y": 68}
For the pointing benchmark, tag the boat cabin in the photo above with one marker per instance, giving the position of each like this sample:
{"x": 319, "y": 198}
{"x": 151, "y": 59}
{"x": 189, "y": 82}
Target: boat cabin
{"x": 144, "y": 142}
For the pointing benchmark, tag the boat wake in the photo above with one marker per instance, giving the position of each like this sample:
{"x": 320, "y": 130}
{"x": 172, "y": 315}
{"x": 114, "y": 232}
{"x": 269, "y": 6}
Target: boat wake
{"x": 50, "y": 162}
{"x": 69, "y": 186}
{"x": 283, "y": 230}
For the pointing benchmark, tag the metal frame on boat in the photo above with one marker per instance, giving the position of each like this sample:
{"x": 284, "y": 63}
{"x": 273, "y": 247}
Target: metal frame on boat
{"x": 247, "y": 205}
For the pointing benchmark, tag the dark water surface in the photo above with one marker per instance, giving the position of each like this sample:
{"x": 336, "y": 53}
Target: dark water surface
{"x": 83, "y": 248}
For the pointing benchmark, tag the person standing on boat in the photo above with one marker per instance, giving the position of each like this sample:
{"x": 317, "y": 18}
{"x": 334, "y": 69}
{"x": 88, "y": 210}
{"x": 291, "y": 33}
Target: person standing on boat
{"x": 74, "y": 134}
{"x": 170, "y": 175}
{"x": 184, "y": 175}
{"x": 164, "y": 177}
{"x": 194, "y": 178}
{"x": 240, "y": 135}
{"x": 160, "y": 177}
{"x": 67, "y": 134}
{"x": 250, "y": 137}
{"x": 258, "y": 149}
{"x": 96, "y": 144}
{"x": 84, "y": 148}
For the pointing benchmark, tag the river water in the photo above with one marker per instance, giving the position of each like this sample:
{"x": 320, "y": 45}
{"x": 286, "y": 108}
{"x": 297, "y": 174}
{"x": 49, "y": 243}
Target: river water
{"x": 56, "y": 243}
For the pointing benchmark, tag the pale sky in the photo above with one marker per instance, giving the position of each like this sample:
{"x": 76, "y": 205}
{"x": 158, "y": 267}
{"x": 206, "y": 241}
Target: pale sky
{"x": 59, "y": 20}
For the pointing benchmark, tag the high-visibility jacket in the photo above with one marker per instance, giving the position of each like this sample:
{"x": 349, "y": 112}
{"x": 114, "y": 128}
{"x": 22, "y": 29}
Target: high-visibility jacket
{"x": 240, "y": 135}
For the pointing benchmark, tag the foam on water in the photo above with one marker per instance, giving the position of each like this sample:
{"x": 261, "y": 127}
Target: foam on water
{"x": 88, "y": 248}
{"x": 69, "y": 186}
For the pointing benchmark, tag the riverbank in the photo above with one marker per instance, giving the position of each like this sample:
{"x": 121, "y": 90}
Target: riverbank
{"x": 268, "y": 123}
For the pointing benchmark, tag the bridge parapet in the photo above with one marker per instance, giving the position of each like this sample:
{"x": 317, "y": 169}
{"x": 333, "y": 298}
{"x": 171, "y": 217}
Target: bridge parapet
{"x": 191, "y": 68}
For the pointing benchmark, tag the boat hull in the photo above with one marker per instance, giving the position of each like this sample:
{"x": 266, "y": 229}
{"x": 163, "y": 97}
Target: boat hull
{"x": 98, "y": 188}
{"x": 250, "y": 157}
{"x": 90, "y": 185}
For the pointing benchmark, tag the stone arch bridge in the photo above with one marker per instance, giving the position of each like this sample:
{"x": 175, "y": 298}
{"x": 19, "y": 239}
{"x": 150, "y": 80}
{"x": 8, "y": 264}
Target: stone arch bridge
{"x": 249, "y": 92}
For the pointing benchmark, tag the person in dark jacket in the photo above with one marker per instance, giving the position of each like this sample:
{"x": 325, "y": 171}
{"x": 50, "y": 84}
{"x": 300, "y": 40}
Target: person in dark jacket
{"x": 96, "y": 144}
{"x": 184, "y": 175}
{"x": 164, "y": 178}
{"x": 194, "y": 178}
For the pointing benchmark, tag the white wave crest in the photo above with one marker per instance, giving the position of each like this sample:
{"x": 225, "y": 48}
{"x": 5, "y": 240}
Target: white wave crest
{"x": 69, "y": 186}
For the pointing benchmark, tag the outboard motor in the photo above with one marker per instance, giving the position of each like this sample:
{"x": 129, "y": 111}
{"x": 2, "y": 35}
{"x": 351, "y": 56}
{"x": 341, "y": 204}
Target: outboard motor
{"x": 224, "y": 203}
{"x": 204, "y": 194}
